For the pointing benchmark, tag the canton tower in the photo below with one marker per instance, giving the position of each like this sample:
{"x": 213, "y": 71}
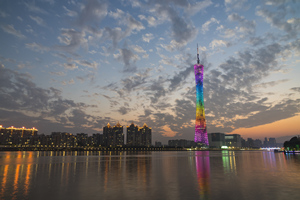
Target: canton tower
{"x": 200, "y": 124}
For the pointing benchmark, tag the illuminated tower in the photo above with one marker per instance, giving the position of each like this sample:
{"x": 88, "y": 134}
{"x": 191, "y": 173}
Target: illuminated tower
{"x": 200, "y": 124}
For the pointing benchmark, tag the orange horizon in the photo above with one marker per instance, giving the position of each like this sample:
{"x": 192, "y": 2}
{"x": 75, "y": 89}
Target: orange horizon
{"x": 281, "y": 128}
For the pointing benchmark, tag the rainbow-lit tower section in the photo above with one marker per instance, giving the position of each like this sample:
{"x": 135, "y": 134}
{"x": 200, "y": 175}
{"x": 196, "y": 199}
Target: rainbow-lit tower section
{"x": 200, "y": 124}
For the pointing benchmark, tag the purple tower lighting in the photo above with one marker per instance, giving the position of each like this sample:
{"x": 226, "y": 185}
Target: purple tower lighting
{"x": 200, "y": 124}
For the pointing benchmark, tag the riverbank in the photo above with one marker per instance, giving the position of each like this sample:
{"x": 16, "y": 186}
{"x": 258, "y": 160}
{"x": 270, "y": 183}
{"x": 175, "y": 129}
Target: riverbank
{"x": 9, "y": 148}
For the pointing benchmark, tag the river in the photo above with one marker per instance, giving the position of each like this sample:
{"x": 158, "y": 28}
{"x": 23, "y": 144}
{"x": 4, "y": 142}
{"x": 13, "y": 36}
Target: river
{"x": 149, "y": 175}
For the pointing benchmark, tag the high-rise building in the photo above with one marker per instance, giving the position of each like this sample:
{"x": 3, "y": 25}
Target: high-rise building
{"x": 15, "y": 136}
{"x": 107, "y": 135}
{"x": 118, "y": 139}
{"x": 113, "y": 136}
{"x": 133, "y": 138}
{"x": 82, "y": 139}
{"x": 97, "y": 139}
{"x": 146, "y": 136}
{"x": 200, "y": 123}
{"x": 139, "y": 136}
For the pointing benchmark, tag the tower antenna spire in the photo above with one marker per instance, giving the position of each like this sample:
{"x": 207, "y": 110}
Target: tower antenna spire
{"x": 198, "y": 59}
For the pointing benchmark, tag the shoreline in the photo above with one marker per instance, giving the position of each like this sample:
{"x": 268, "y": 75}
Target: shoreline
{"x": 132, "y": 149}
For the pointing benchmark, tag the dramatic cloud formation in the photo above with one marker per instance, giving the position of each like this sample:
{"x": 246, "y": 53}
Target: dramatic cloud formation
{"x": 77, "y": 65}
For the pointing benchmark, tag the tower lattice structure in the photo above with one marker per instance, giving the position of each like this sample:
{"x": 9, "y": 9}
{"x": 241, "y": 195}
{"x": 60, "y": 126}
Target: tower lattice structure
{"x": 200, "y": 123}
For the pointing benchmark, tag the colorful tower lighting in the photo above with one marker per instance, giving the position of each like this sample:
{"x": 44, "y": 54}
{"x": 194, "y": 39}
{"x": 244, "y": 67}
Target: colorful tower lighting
{"x": 200, "y": 124}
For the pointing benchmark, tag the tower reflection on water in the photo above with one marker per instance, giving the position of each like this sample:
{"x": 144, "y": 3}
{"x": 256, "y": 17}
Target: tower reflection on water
{"x": 203, "y": 173}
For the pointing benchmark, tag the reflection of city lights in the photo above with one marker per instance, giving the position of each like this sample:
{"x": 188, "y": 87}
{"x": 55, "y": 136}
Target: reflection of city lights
{"x": 16, "y": 179}
{"x": 4, "y": 179}
{"x": 229, "y": 163}
{"x": 27, "y": 178}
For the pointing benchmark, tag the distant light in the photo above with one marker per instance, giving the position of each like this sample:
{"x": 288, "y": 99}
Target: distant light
{"x": 224, "y": 147}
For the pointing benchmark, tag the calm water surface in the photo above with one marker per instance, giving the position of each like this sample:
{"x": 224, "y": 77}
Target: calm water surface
{"x": 149, "y": 175}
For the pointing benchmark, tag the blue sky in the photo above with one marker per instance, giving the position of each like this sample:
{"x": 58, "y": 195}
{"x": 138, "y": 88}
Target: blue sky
{"x": 74, "y": 66}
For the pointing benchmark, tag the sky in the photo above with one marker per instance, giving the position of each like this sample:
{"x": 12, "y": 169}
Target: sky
{"x": 74, "y": 66}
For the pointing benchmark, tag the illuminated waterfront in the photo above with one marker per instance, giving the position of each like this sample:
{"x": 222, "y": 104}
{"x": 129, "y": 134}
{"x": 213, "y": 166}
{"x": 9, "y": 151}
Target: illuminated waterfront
{"x": 149, "y": 175}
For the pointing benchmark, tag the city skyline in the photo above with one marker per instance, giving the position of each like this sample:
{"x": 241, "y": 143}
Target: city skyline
{"x": 75, "y": 66}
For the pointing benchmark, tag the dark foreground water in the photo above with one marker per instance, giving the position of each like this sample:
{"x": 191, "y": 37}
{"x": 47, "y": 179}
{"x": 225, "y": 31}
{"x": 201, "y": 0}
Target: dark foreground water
{"x": 149, "y": 175}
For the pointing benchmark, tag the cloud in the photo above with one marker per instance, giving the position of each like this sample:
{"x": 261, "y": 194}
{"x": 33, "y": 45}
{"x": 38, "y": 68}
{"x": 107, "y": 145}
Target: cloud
{"x": 279, "y": 20}
{"x": 92, "y": 13}
{"x": 152, "y": 21}
{"x": 22, "y": 99}
{"x": 177, "y": 79}
{"x": 86, "y": 63}
{"x": 138, "y": 49}
{"x": 20, "y": 18}
{"x": 135, "y": 3}
{"x": 167, "y": 131}
{"x": 133, "y": 82}
{"x": 205, "y": 26}
{"x": 236, "y": 5}
{"x": 72, "y": 40}
{"x": 156, "y": 90}
{"x": 275, "y": 2}
{"x": 218, "y": 43}
{"x": 192, "y": 9}
{"x": 117, "y": 34}
{"x": 271, "y": 83}
{"x": 123, "y": 110}
{"x": 147, "y": 37}
{"x": 19, "y": 93}
{"x": 255, "y": 41}
{"x": 283, "y": 110}
{"x": 33, "y": 8}
{"x": 38, "y": 20}
{"x": 70, "y": 13}
{"x": 70, "y": 66}
{"x": 229, "y": 33}
{"x": 133, "y": 24}
{"x": 116, "y": 15}
{"x": 245, "y": 27}
{"x": 182, "y": 29}
{"x": 37, "y": 47}
{"x": 11, "y": 30}
{"x": 173, "y": 46}
{"x": 128, "y": 58}
{"x": 58, "y": 73}
{"x": 295, "y": 89}
{"x": 230, "y": 93}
